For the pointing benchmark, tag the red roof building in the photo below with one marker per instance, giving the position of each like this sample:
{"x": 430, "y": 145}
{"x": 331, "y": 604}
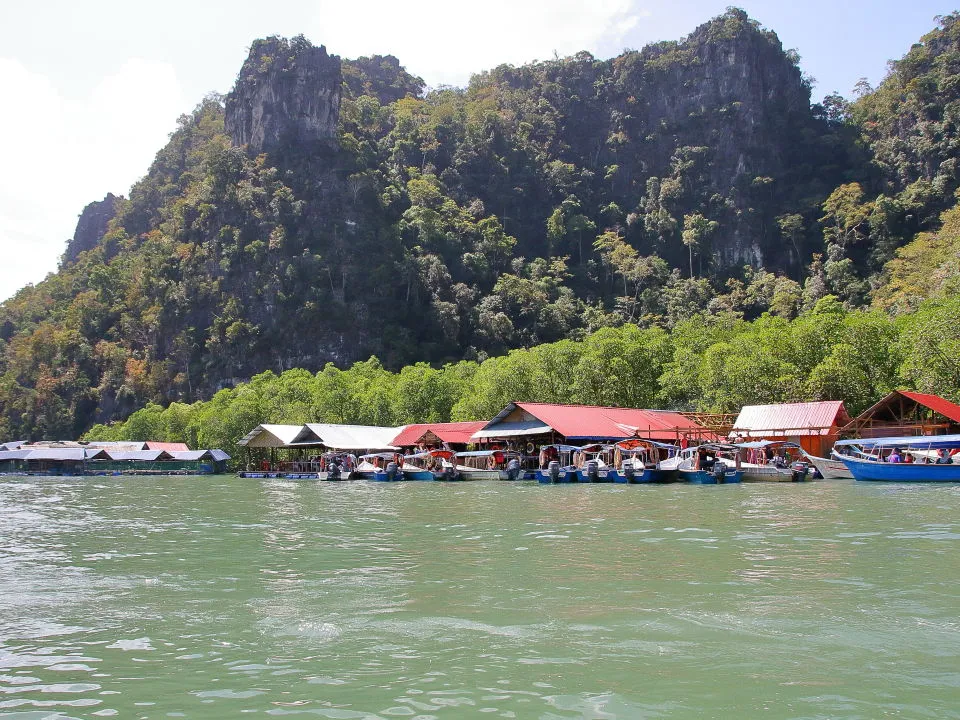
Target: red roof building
{"x": 435, "y": 434}
{"x": 523, "y": 420}
{"x": 815, "y": 426}
{"x": 902, "y": 413}
{"x": 167, "y": 446}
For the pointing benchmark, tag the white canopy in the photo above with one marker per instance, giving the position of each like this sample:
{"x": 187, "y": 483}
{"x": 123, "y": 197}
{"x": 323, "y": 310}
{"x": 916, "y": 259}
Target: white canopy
{"x": 347, "y": 437}
{"x": 270, "y": 436}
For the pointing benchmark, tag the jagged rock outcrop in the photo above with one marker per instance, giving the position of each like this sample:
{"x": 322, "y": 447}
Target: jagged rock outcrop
{"x": 91, "y": 226}
{"x": 730, "y": 91}
{"x": 287, "y": 91}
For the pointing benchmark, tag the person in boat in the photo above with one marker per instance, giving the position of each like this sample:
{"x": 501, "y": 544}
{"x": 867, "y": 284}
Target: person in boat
{"x": 943, "y": 457}
{"x": 908, "y": 457}
{"x": 895, "y": 456}
{"x": 704, "y": 460}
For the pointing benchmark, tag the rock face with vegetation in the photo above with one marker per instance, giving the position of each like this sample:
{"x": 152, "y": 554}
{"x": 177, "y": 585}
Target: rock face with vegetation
{"x": 287, "y": 92}
{"x": 91, "y": 226}
{"x": 331, "y": 210}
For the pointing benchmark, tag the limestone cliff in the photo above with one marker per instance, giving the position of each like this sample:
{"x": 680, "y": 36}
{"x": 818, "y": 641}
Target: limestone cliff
{"x": 90, "y": 227}
{"x": 287, "y": 91}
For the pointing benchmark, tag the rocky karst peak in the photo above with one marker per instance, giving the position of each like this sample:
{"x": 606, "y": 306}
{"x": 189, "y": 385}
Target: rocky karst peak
{"x": 287, "y": 90}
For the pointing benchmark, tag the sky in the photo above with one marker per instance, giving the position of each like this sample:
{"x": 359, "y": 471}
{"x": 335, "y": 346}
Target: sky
{"x": 93, "y": 89}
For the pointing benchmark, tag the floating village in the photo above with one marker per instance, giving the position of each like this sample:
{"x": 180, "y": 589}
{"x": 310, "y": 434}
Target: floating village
{"x": 904, "y": 437}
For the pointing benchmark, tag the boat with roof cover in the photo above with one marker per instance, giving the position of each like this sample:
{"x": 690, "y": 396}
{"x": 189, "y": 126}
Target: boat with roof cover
{"x": 703, "y": 465}
{"x": 929, "y": 458}
{"x": 556, "y": 464}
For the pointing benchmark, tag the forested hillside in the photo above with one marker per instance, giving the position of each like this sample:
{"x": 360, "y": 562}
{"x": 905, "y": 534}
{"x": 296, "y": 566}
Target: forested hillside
{"x": 327, "y": 210}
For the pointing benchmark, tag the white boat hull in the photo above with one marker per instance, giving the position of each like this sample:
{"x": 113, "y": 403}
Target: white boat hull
{"x": 829, "y": 468}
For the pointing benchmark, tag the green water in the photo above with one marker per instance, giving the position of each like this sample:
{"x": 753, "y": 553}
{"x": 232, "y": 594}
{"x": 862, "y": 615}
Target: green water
{"x": 224, "y": 598}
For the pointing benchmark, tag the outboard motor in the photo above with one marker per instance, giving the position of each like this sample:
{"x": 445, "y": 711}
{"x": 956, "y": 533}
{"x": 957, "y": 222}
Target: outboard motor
{"x": 393, "y": 472}
{"x": 799, "y": 472}
{"x": 513, "y": 469}
{"x": 593, "y": 471}
{"x": 333, "y": 471}
{"x": 629, "y": 472}
{"x": 554, "y": 470}
{"x": 719, "y": 471}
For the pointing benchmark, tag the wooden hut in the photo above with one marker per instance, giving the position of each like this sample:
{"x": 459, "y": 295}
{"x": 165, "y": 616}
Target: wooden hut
{"x": 263, "y": 442}
{"x": 903, "y": 413}
{"x": 453, "y": 436}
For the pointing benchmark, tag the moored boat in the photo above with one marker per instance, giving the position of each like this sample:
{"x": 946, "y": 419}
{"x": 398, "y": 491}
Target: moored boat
{"x": 336, "y": 466}
{"x": 556, "y": 464}
{"x": 439, "y": 463}
{"x": 768, "y": 461}
{"x": 491, "y": 465}
{"x": 831, "y": 468}
{"x": 407, "y": 473}
{"x": 702, "y": 465}
{"x": 879, "y": 459}
{"x": 389, "y": 467}
{"x": 593, "y": 463}
{"x": 555, "y": 473}
{"x": 646, "y": 461}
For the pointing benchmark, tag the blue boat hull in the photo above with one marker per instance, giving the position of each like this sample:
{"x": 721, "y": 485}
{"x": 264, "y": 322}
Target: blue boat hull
{"x": 406, "y": 475}
{"x": 565, "y": 476}
{"x": 660, "y": 476}
{"x": 902, "y": 472}
{"x": 702, "y": 477}
{"x": 605, "y": 475}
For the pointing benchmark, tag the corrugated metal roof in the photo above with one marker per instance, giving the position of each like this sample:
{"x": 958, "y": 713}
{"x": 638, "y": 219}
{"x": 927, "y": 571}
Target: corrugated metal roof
{"x": 14, "y": 454}
{"x": 128, "y": 445}
{"x": 455, "y": 432}
{"x": 512, "y": 429}
{"x": 77, "y": 454}
{"x": 168, "y": 446}
{"x": 589, "y": 422}
{"x": 193, "y": 455}
{"x": 791, "y": 419}
{"x": 270, "y": 435}
{"x": 347, "y": 437}
{"x": 137, "y": 455}
{"x": 935, "y": 403}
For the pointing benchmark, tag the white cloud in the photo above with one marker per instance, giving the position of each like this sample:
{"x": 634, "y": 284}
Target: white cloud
{"x": 59, "y": 154}
{"x": 445, "y": 42}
